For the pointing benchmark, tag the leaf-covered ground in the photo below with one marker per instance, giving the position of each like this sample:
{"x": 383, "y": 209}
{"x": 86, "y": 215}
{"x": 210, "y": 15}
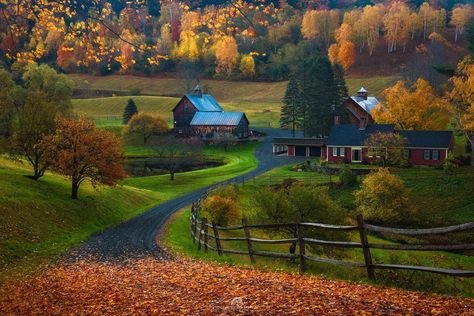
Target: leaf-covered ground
{"x": 184, "y": 287}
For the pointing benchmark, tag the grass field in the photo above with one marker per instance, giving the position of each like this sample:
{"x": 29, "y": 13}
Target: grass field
{"x": 178, "y": 238}
{"x": 239, "y": 160}
{"x": 40, "y": 220}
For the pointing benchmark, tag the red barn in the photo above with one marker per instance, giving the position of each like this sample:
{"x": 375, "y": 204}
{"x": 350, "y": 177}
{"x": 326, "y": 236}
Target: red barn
{"x": 200, "y": 114}
{"x": 360, "y": 107}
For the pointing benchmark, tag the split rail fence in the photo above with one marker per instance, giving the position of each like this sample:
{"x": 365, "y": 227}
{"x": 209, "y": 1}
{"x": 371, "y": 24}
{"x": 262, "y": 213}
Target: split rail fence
{"x": 202, "y": 232}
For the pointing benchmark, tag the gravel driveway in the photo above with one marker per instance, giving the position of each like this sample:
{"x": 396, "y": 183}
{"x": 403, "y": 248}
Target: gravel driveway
{"x": 137, "y": 237}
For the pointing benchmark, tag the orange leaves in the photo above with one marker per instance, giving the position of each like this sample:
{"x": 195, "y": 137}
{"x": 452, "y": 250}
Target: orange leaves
{"x": 186, "y": 287}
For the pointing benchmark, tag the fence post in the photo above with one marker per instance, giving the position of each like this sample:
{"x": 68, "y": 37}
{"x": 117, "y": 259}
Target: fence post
{"x": 249, "y": 242}
{"x": 365, "y": 247}
{"x": 216, "y": 236}
{"x": 206, "y": 234}
{"x": 200, "y": 234}
{"x": 301, "y": 244}
{"x": 193, "y": 222}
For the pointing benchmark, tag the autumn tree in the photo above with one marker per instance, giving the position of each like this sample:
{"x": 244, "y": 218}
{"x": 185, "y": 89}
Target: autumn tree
{"x": 221, "y": 210}
{"x": 226, "y": 55}
{"x": 291, "y": 115}
{"x": 460, "y": 16}
{"x": 146, "y": 125}
{"x": 383, "y": 198}
{"x": 461, "y": 98}
{"x": 7, "y": 106}
{"x": 247, "y": 66}
{"x": 412, "y": 108}
{"x": 387, "y": 148}
{"x": 82, "y": 152}
{"x": 129, "y": 111}
{"x": 47, "y": 95}
{"x": 299, "y": 202}
{"x": 397, "y": 26}
{"x": 320, "y": 25}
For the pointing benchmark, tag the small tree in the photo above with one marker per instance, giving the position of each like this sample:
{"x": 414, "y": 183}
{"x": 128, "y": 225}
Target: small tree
{"x": 146, "y": 125}
{"x": 173, "y": 153}
{"x": 347, "y": 178}
{"x": 82, "y": 152}
{"x": 383, "y": 198}
{"x": 291, "y": 114}
{"x": 129, "y": 111}
{"x": 295, "y": 202}
{"x": 221, "y": 210}
{"x": 387, "y": 148}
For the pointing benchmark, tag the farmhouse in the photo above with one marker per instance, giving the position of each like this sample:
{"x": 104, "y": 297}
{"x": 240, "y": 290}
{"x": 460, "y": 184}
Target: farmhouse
{"x": 200, "y": 114}
{"x": 360, "y": 107}
{"x": 345, "y": 144}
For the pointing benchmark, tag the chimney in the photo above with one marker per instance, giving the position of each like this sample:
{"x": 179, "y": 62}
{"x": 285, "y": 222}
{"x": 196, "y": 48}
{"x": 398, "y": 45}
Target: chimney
{"x": 363, "y": 93}
{"x": 197, "y": 91}
{"x": 337, "y": 120}
{"x": 362, "y": 123}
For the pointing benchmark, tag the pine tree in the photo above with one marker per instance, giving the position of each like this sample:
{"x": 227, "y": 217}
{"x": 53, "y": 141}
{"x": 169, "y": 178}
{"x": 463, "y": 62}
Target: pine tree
{"x": 130, "y": 110}
{"x": 319, "y": 96}
{"x": 341, "y": 93}
{"x": 291, "y": 110}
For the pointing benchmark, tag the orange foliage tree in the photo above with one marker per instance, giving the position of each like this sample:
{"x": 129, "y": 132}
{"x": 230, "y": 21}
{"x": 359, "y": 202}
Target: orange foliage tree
{"x": 226, "y": 55}
{"x": 412, "y": 108}
{"x": 84, "y": 153}
{"x": 146, "y": 125}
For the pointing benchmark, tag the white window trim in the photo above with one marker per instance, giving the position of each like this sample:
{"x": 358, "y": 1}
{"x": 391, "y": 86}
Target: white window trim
{"x": 334, "y": 151}
{"x": 352, "y": 154}
{"x": 342, "y": 151}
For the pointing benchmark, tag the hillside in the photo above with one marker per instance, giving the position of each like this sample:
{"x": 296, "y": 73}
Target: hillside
{"x": 40, "y": 220}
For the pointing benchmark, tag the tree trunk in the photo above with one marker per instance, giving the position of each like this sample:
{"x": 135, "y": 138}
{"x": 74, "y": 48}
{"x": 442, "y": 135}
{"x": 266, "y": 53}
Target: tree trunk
{"x": 74, "y": 189}
{"x": 171, "y": 175}
{"x": 293, "y": 248}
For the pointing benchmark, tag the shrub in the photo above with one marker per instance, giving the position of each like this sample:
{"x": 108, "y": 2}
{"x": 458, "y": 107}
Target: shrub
{"x": 221, "y": 210}
{"x": 383, "y": 198}
{"x": 462, "y": 160}
{"x": 347, "y": 178}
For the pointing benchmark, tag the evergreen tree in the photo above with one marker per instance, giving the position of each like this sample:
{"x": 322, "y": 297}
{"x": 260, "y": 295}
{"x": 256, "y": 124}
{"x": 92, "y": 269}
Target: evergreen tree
{"x": 130, "y": 110}
{"x": 341, "y": 93}
{"x": 154, "y": 7}
{"x": 319, "y": 96}
{"x": 291, "y": 114}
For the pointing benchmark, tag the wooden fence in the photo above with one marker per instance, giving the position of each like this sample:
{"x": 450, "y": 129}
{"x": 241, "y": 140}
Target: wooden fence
{"x": 200, "y": 233}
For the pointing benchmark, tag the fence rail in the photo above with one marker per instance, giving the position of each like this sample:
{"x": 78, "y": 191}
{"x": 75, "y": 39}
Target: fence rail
{"x": 200, "y": 235}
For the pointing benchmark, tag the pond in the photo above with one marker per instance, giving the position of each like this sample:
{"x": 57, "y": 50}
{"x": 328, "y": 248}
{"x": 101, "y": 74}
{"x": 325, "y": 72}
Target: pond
{"x": 142, "y": 167}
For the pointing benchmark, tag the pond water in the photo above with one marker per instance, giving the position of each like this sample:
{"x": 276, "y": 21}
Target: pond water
{"x": 142, "y": 167}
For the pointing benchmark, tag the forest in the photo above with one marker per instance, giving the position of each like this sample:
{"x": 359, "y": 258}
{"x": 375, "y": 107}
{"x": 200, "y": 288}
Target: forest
{"x": 237, "y": 40}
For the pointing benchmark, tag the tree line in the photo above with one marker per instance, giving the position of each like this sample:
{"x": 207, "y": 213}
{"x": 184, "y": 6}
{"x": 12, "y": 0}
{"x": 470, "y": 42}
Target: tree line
{"x": 232, "y": 39}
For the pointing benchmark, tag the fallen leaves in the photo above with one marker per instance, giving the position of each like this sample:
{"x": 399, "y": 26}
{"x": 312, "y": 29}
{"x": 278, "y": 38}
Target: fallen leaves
{"x": 186, "y": 287}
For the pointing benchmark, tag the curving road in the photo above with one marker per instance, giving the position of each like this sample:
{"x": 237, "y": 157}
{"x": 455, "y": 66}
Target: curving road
{"x": 137, "y": 237}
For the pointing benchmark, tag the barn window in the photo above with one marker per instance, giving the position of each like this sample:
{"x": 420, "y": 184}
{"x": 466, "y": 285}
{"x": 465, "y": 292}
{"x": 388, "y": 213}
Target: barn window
{"x": 426, "y": 154}
{"x": 435, "y": 155}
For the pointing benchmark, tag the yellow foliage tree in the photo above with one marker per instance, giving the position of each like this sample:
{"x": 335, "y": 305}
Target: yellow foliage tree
{"x": 461, "y": 98}
{"x": 188, "y": 47}
{"x": 412, "y": 108}
{"x": 344, "y": 51}
{"x": 247, "y": 66}
{"x": 226, "y": 55}
{"x": 320, "y": 24}
{"x": 459, "y": 18}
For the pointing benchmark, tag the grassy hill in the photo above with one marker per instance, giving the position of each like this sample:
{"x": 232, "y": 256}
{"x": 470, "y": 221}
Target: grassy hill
{"x": 40, "y": 220}
{"x": 261, "y": 101}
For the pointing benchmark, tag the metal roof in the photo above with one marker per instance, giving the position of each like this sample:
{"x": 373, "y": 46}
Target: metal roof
{"x": 368, "y": 105}
{"x": 204, "y": 103}
{"x": 351, "y": 135}
{"x": 299, "y": 141}
{"x": 428, "y": 139}
{"x": 362, "y": 90}
{"x": 217, "y": 118}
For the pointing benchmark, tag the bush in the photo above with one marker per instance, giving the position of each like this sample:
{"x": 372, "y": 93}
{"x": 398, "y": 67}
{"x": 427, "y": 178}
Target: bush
{"x": 347, "y": 178}
{"x": 462, "y": 160}
{"x": 383, "y": 198}
{"x": 221, "y": 210}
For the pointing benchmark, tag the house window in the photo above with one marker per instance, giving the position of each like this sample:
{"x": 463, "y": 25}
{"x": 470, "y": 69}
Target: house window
{"x": 435, "y": 154}
{"x": 342, "y": 151}
{"x": 426, "y": 154}
{"x": 406, "y": 154}
{"x": 334, "y": 151}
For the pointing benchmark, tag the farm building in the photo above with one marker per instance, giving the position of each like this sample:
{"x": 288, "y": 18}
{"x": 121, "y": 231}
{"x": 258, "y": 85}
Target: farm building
{"x": 345, "y": 144}
{"x": 301, "y": 147}
{"x": 360, "y": 107}
{"x": 200, "y": 114}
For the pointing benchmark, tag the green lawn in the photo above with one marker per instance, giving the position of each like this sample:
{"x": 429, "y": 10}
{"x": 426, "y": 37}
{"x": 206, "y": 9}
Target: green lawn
{"x": 40, "y": 220}
{"x": 239, "y": 160}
